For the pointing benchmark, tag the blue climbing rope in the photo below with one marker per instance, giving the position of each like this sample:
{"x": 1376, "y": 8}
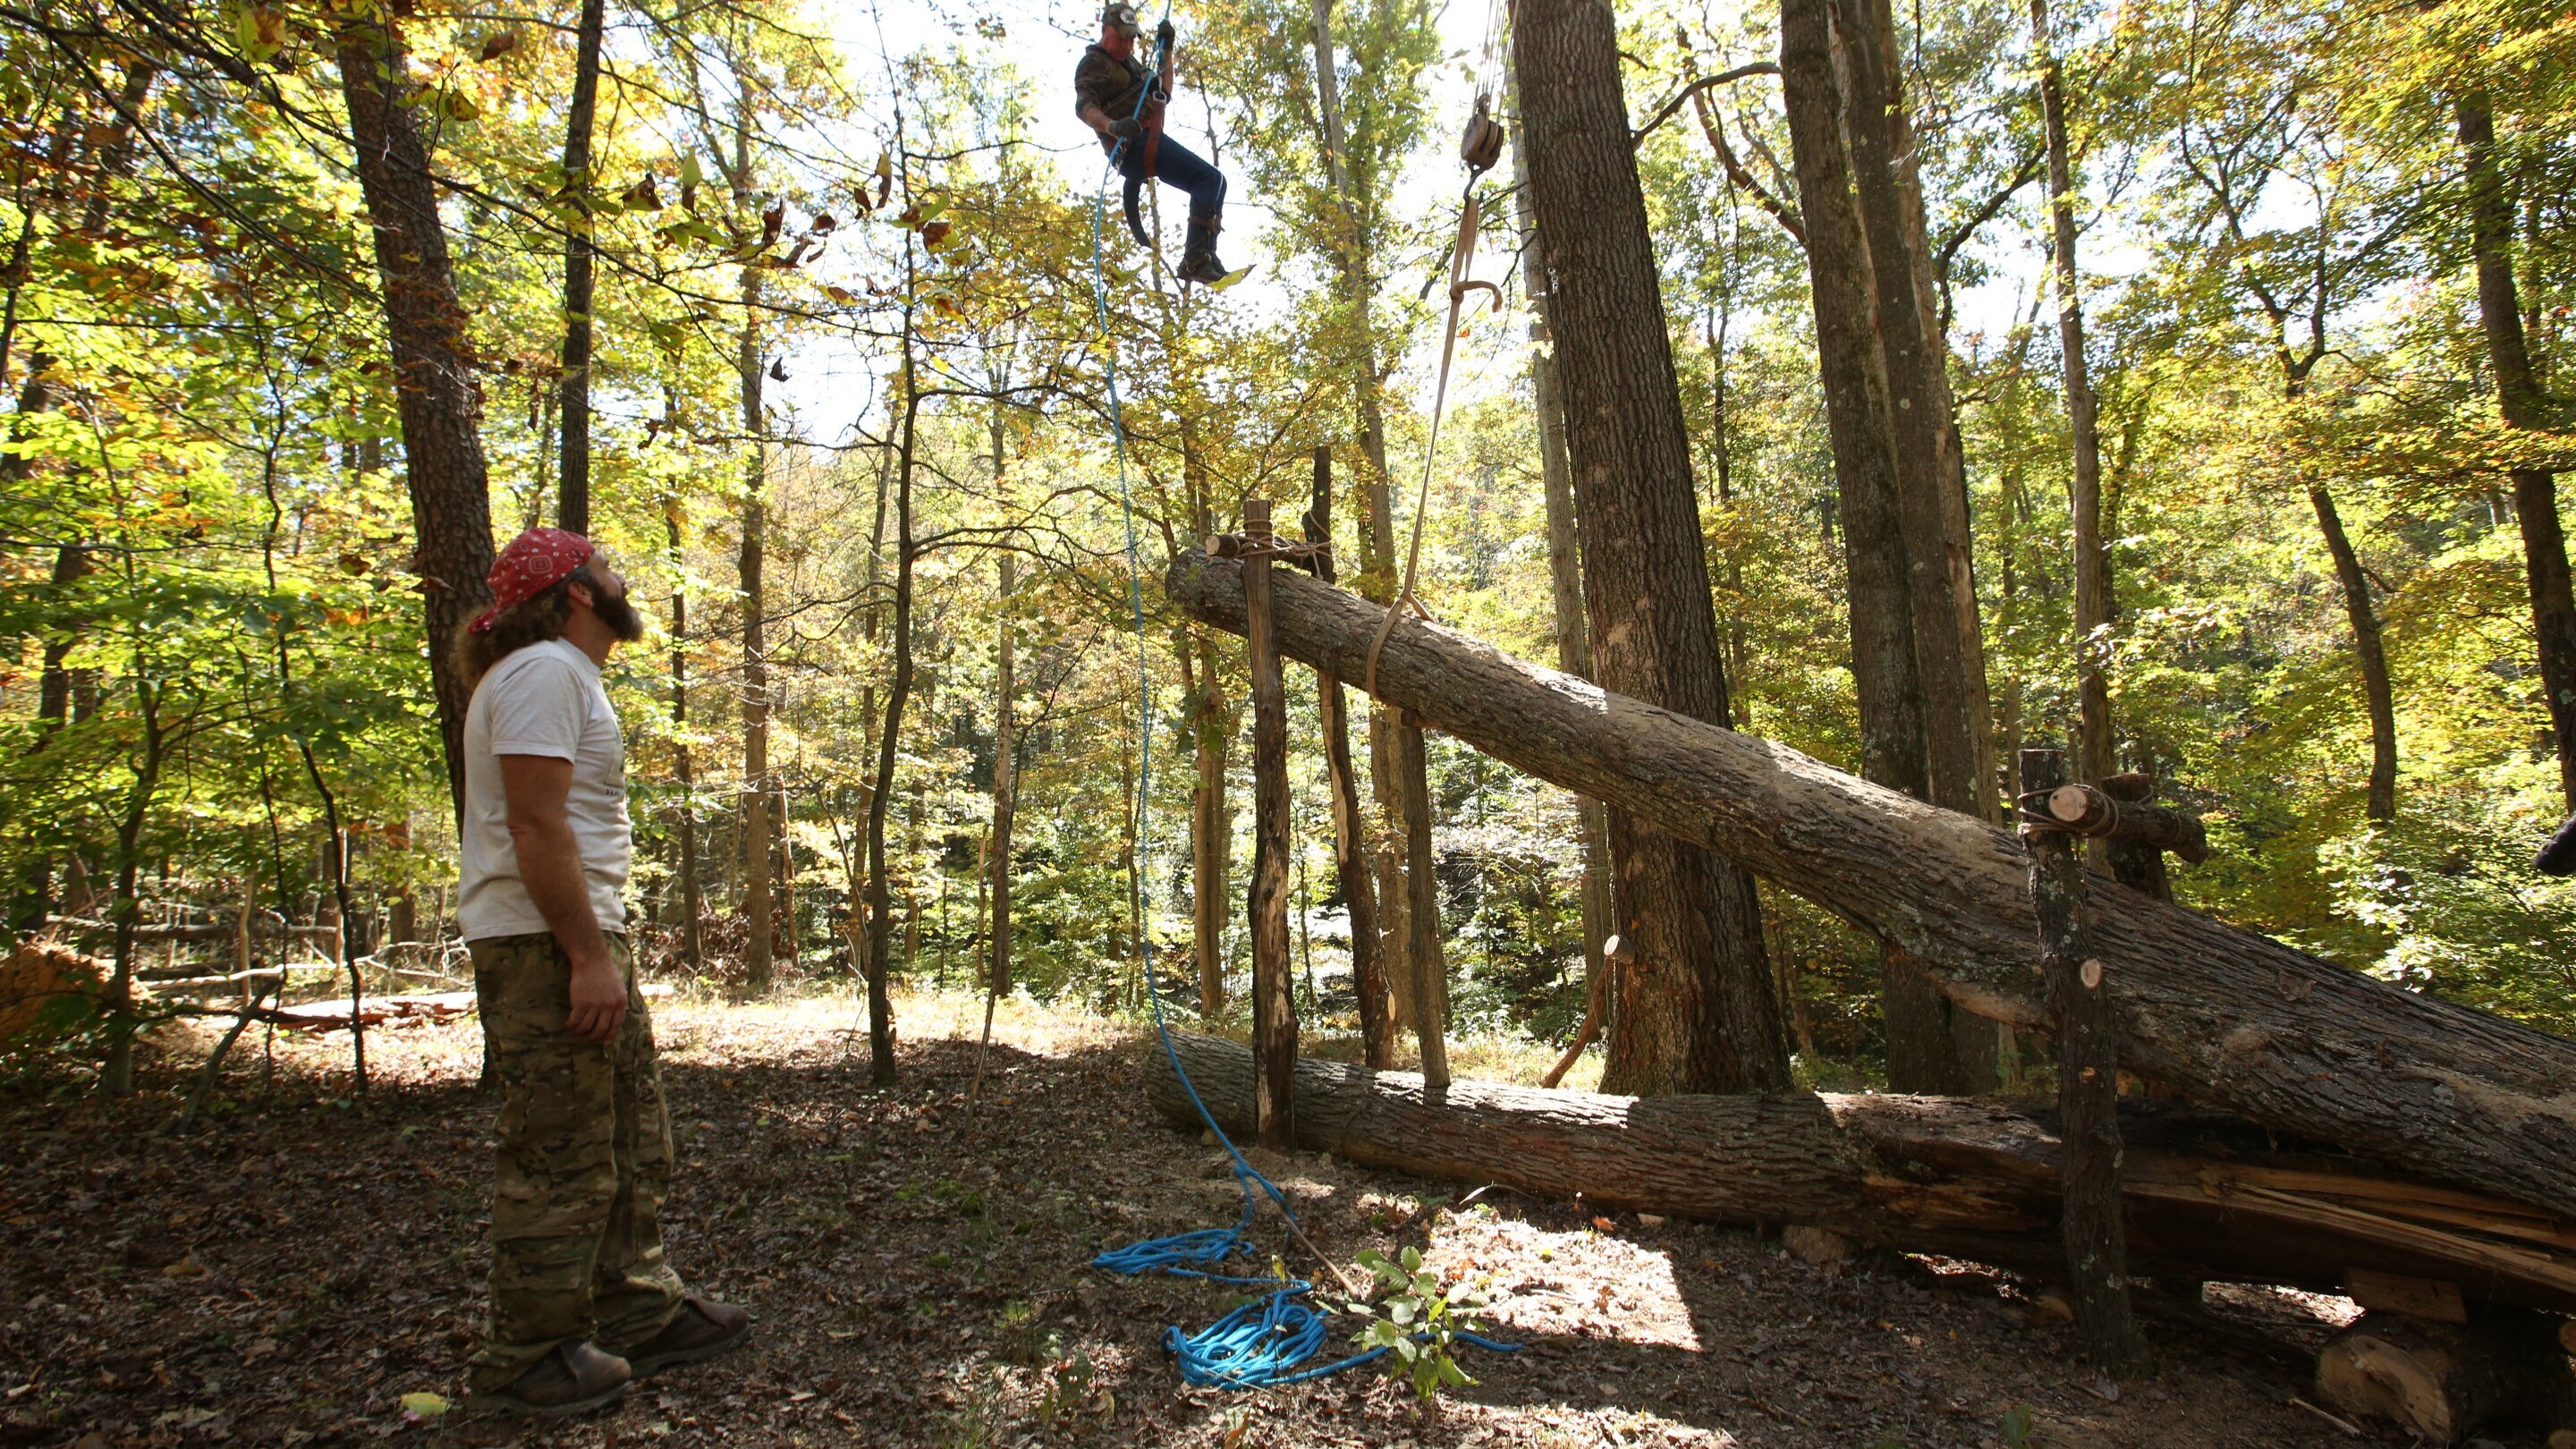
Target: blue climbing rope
{"x": 1262, "y": 1343}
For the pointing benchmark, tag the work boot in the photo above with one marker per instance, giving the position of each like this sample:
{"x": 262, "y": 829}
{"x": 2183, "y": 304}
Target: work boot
{"x": 574, "y": 1378}
{"x": 702, "y": 1328}
{"x": 1198, "y": 257}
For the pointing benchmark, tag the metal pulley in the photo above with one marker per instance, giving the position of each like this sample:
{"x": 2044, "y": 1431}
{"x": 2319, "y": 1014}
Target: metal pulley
{"x": 1482, "y": 145}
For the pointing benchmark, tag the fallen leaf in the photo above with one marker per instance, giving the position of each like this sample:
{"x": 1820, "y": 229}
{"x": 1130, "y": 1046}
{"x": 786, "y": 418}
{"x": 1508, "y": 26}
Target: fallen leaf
{"x": 422, "y": 1406}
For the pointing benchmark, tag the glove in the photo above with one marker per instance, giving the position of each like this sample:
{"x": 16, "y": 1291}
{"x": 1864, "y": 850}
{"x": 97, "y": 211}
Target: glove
{"x": 1163, "y": 35}
{"x": 1127, "y": 128}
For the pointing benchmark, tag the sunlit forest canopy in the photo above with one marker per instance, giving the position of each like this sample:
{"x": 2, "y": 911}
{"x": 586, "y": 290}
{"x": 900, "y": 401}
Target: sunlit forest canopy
{"x": 287, "y": 348}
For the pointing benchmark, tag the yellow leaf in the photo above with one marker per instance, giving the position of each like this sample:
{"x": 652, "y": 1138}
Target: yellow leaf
{"x": 424, "y": 1405}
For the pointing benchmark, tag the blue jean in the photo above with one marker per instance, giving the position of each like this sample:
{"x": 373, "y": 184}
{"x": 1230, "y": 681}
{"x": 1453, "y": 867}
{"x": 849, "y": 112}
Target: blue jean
{"x": 1179, "y": 166}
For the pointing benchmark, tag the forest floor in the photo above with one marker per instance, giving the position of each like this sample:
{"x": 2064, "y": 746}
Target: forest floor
{"x": 286, "y": 1272}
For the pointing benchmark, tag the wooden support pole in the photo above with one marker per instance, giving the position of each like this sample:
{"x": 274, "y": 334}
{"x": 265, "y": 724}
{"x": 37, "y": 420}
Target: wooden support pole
{"x": 2088, "y": 1084}
{"x": 1422, "y": 889}
{"x": 1350, "y": 833}
{"x": 1274, "y": 1009}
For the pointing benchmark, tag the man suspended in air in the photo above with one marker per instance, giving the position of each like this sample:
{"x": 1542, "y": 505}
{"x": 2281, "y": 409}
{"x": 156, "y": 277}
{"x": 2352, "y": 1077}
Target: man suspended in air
{"x": 1121, "y": 95}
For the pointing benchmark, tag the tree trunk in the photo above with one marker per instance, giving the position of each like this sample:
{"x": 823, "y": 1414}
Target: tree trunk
{"x": 435, "y": 392}
{"x": 2372, "y": 653}
{"x": 1422, "y": 908}
{"x": 1565, "y": 582}
{"x": 1274, "y": 1008}
{"x": 1840, "y": 280}
{"x": 1892, "y": 592}
{"x": 2088, "y": 1085}
{"x": 1350, "y": 843}
{"x": 692, "y": 894}
{"x": 1351, "y": 259}
{"x": 1695, "y": 1009}
{"x": 2289, "y": 1040}
{"x": 2525, "y": 408}
{"x": 898, "y": 691}
{"x": 1919, "y": 426}
{"x": 997, "y": 976}
{"x": 572, "y": 506}
{"x": 2209, "y": 1199}
{"x": 2093, "y": 759}
{"x": 1211, "y": 835}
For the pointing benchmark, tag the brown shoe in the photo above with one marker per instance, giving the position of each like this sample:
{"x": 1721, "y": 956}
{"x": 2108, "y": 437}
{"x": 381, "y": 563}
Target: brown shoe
{"x": 702, "y": 1328}
{"x": 575, "y": 1378}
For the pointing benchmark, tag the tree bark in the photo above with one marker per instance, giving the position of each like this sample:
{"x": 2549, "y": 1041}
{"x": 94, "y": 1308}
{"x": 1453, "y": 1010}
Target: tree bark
{"x": 2088, "y": 1085}
{"x": 1211, "y": 834}
{"x": 1903, "y": 625}
{"x": 572, "y": 498}
{"x": 1919, "y": 424}
{"x": 757, "y": 831}
{"x": 1350, "y": 832}
{"x": 2210, "y": 1199}
{"x": 2370, "y": 651}
{"x": 1856, "y": 406}
{"x": 2292, "y": 1041}
{"x": 2093, "y": 756}
{"x": 2525, "y": 407}
{"x": 1422, "y": 910}
{"x": 436, "y": 396}
{"x": 880, "y": 967}
{"x": 692, "y": 891}
{"x": 997, "y": 976}
{"x": 1351, "y": 258}
{"x": 1695, "y": 1009}
{"x": 1274, "y": 1008}
{"x": 1565, "y": 588}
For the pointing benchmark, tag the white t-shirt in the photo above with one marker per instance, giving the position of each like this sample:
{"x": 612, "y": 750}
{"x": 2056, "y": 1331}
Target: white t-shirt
{"x": 544, "y": 699}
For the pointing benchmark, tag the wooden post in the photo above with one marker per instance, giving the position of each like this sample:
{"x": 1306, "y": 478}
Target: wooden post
{"x": 2088, "y": 1083}
{"x": 1422, "y": 887}
{"x": 1274, "y": 1009}
{"x": 1350, "y": 844}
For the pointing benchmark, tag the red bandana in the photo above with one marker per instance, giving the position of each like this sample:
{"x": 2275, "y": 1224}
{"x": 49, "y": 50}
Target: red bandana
{"x": 533, "y": 562}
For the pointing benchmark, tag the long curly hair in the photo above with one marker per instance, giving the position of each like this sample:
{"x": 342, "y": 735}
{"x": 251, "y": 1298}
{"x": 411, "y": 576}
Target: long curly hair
{"x": 533, "y": 620}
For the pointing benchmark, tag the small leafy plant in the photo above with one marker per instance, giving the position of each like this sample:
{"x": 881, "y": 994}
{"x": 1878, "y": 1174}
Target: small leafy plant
{"x": 1418, "y": 1319}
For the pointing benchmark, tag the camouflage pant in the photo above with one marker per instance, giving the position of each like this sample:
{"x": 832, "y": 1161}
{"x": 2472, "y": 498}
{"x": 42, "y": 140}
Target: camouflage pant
{"x": 583, "y": 1165}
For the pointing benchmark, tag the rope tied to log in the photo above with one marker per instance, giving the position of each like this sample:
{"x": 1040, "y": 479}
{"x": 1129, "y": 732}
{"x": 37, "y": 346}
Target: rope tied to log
{"x": 2096, "y": 815}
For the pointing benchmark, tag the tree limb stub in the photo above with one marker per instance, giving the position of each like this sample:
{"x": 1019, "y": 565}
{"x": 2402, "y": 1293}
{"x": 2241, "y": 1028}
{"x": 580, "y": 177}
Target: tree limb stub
{"x": 2285, "y": 1038}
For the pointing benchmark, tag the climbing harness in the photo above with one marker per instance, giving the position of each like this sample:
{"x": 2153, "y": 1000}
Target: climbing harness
{"x": 1480, "y": 148}
{"x": 1261, "y": 1343}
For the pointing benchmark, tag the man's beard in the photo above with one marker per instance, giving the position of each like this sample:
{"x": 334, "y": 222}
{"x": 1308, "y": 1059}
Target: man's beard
{"x": 618, "y": 613}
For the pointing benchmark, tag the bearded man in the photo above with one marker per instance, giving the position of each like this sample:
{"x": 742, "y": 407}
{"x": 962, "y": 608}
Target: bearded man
{"x": 582, "y": 1302}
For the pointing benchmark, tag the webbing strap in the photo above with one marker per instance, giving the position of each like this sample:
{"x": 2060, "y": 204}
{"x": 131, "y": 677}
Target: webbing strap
{"x": 1461, "y": 256}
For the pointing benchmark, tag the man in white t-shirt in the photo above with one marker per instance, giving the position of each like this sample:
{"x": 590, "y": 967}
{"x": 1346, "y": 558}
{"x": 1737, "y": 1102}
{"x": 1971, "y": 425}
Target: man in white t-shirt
{"x": 582, "y": 1301}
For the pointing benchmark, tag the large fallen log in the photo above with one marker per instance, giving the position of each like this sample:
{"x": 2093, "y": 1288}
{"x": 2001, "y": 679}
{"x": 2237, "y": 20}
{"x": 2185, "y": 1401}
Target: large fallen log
{"x": 2206, "y": 1200}
{"x": 2235, "y": 1018}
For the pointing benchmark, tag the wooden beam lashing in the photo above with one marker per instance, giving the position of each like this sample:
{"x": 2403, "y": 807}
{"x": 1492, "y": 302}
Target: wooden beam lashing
{"x": 1274, "y": 1009}
{"x": 2095, "y": 811}
{"x": 2234, "y": 1018}
{"x": 2088, "y": 1083}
